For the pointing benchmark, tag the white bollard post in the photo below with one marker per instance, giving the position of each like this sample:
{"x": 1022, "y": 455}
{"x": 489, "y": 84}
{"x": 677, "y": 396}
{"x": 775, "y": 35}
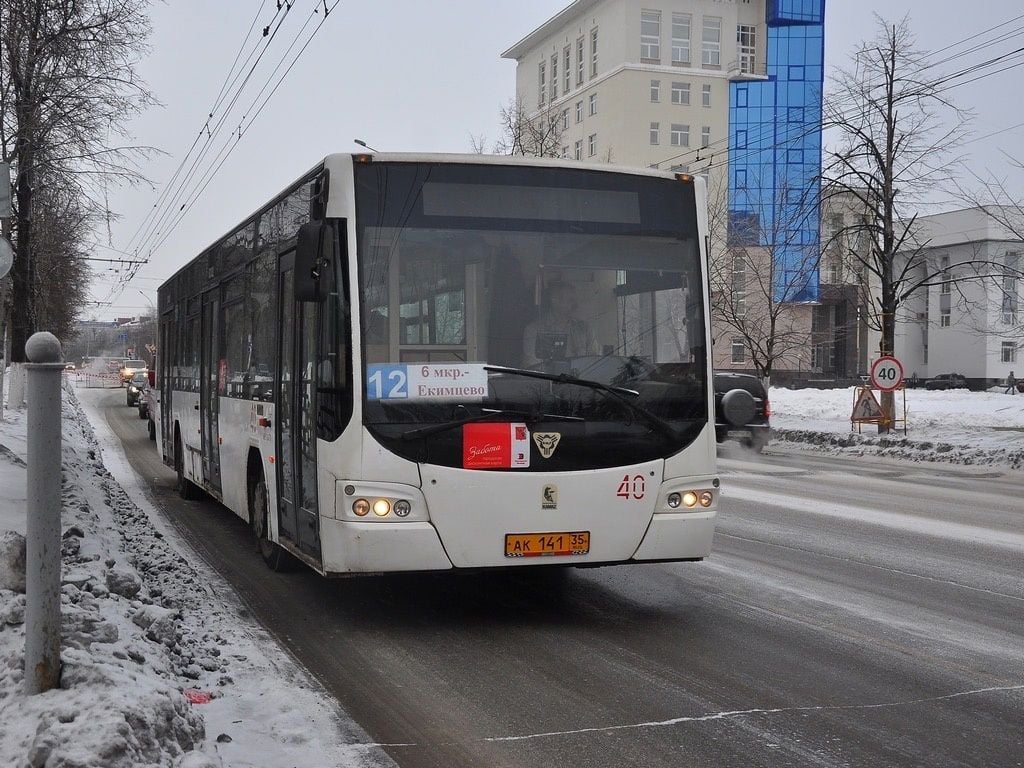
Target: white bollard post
{"x": 42, "y": 539}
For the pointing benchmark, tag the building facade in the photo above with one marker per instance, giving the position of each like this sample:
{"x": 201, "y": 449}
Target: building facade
{"x": 727, "y": 89}
{"x": 966, "y": 316}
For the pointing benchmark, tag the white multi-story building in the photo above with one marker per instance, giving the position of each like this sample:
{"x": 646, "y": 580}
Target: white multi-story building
{"x": 642, "y": 83}
{"x": 968, "y": 320}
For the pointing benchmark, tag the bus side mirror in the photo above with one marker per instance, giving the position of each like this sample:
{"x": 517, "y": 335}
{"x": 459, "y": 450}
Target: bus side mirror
{"x": 313, "y": 248}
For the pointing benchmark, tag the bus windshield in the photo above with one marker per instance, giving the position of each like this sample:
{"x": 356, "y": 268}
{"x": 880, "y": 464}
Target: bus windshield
{"x": 474, "y": 277}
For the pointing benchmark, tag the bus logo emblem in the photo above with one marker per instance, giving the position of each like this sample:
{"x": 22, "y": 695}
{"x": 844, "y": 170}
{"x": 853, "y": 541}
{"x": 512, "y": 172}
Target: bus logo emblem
{"x": 547, "y": 442}
{"x": 549, "y": 497}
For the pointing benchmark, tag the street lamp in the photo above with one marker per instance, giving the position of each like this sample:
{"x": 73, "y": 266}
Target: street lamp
{"x": 362, "y": 143}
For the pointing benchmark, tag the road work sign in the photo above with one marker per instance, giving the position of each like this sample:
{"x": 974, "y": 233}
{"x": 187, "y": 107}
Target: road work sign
{"x": 866, "y": 409}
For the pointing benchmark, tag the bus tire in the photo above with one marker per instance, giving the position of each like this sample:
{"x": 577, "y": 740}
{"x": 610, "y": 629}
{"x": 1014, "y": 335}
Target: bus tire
{"x": 275, "y": 556}
{"x": 186, "y": 488}
{"x": 151, "y": 427}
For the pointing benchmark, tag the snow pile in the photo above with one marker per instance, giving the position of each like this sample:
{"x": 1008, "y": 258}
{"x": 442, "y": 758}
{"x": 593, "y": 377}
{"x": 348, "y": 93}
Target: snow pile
{"x": 158, "y": 669}
{"x": 954, "y": 426}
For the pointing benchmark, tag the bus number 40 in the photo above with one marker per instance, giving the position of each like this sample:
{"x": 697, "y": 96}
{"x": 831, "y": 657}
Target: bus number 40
{"x": 632, "y": 487}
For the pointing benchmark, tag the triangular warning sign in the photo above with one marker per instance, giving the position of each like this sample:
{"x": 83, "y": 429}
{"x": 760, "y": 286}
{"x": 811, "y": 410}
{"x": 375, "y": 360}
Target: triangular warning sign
{"x": 866, "y": 407}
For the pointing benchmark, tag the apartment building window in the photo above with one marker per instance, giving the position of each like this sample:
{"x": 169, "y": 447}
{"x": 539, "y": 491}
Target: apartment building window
{"x": 739, "y": 285}
{"x": 592, "y": 145}
{"x": 579, "y": 111}
{"x": 1008, "y": 352}
{"x": 944, "y": 318}
{"x": 593, "y": 52}
{"x": 705, "y": 136}
{"x": 542, "y": 84}
{"x": 650, "y": 37}
{"x": 565, "y": 150}
{"x": 833, "y": 270}
{"x": 705, "y": 95}
{"x": 593, "y": 103}
{"x": 947, "y": 284}
{"x": 579, "y": 61}
{"x": 554, "y": 78}
{"x": 655, "y": 91}
{"x": 680, "y": 93}
{"x": 566, "y": 69}
{"x": 578, "y": 148}
{"x": 739, "y": 352}
{"x": 655, "y": 127}
{"x": 711, "y": 42}
{"x": 746, "y": 37}
{"x": 1010, "y": 298}
{"x": 681, "y": 39}
{"x": 565, "y": 119}
{"x": 680, "y": 136}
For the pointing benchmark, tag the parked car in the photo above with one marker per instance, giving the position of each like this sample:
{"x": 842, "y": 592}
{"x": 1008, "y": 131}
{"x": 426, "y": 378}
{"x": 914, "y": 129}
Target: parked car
{"x": 136, "y": 385}
{"x": 946, "y": 381}
{"x": 131, "y": 367}
{"x": 742, "y": 410}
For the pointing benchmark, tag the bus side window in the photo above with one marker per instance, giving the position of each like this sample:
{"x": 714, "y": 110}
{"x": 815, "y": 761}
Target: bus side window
{"x": 260, "y": 371}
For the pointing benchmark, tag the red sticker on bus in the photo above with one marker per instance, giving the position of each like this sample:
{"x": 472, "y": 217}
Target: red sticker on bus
{"x": 495, "y": 446}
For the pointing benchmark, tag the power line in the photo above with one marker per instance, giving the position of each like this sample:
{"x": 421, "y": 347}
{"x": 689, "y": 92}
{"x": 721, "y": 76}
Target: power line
{"x": 192, "y": 197}
{"x": 149, "y": 220}
{"x": 243, "y": 128}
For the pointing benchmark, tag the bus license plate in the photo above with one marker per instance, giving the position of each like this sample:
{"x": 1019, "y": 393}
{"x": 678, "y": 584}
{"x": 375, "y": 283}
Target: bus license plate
{"x": 547, "y": 544}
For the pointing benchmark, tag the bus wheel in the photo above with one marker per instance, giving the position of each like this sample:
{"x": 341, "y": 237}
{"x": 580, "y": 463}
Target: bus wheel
{"x": 152, "y": 430}
{"x": 186, "y": 488}
{"x": 276, "y": 558}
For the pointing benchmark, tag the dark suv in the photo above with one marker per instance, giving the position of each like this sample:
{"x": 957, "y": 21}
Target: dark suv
{"x": 742, "y": 411}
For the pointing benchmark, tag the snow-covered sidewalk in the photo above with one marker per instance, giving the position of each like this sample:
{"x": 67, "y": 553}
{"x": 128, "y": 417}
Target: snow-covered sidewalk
{"x": 956, "y": 426}
{"x": 160, "y": 664}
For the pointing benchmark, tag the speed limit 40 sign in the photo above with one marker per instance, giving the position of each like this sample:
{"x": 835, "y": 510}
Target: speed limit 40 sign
{"x": 887, "y": 373}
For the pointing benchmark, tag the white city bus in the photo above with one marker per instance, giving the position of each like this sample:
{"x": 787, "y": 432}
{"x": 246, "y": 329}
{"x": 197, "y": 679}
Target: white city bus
{"x": 426, "y": 362}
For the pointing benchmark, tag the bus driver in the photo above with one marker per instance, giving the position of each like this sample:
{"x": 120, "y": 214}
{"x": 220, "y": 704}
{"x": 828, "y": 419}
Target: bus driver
{"x": 557, "y": 334}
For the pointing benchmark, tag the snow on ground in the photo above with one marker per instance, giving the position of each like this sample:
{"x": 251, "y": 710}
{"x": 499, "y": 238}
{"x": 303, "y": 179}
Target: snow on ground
{"x": 955, "y": 426}
{"x": 149, "y": 634}
{"x": 149, "y": 631}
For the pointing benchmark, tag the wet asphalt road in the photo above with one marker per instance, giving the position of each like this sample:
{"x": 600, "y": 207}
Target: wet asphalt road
{"x": 854, "y": 613}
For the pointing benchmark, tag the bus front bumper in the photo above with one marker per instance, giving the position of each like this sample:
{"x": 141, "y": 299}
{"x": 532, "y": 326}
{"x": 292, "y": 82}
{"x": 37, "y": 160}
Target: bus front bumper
{"x": 378, "y": 547}
{"x": 678, "y": 536}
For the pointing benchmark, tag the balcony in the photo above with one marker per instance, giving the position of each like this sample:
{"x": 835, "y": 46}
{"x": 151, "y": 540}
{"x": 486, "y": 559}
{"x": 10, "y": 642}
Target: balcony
{"x": 746, "y": 69}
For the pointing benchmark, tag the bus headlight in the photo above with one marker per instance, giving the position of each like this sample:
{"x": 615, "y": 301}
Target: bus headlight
{"x": 689, "y": 499}
{"x": 706, "y": 497}
{"x": 674, "y": 500}
{"x": 402, "y": 508}
{"x": 361, "y": 507}
{"x": 381, "y": 507}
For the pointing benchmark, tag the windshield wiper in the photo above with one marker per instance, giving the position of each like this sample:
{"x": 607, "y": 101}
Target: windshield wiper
{"x": 527, "y": 416}
{"x": 615, "y": 393}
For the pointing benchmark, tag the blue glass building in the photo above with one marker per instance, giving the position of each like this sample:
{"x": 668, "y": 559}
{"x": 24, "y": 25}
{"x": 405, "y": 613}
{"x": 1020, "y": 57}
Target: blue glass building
{"x": 775, "y": 149}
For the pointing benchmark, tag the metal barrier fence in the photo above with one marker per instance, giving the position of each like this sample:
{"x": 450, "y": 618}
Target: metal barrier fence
{"x": 97, "y": 379}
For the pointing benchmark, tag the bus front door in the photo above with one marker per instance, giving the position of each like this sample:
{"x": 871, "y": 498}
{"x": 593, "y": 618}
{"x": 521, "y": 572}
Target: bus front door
{"x": 209, "y": 389}
{"x": 298, "y": 509}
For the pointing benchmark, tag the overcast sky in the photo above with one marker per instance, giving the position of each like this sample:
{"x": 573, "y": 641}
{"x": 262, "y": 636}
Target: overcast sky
{"x": 408, "y": 75}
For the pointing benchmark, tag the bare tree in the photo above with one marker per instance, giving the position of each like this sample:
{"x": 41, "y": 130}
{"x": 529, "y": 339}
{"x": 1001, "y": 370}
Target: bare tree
{"x": 68, "y": 86}
{"x": 752, "y": 304}
{"x": 896, "y": 138}
{"x": 537, "y": 134}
